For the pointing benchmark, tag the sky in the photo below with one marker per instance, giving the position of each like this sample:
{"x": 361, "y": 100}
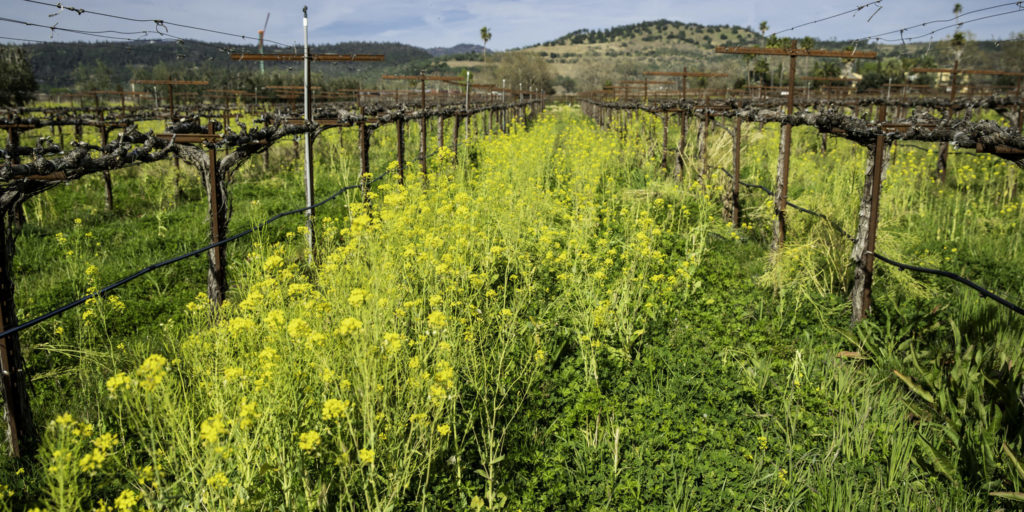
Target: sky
{"x": 512, "y": 23}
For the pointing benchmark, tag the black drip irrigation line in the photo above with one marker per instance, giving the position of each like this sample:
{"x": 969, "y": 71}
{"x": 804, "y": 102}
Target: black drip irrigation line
{"x": 956, "y": 277}
{"x": 901, "y": 266}
{"x": 123, "y": 281}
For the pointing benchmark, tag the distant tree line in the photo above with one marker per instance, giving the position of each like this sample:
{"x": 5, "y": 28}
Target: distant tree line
{"x": 17, "y": 83}
{"x": 91, "y": 66}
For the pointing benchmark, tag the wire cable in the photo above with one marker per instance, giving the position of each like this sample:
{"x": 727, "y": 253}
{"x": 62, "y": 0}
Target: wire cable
{"x": 75, "y": 31}
{"x": 819, "y": 20}
{"x": 139, "y": 273}
{"x": 157, "y": 22}
{"x": 957, "y": 19}
{"x": 905, "y": 39}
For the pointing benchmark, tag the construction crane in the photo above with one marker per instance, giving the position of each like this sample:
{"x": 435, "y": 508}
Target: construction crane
{"x": 261, "y": 32}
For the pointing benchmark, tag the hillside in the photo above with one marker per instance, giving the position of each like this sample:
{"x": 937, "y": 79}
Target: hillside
{"x": 589, "y": 59}
{"x": 593, "y": 57}
{"x": 439, "y": 51}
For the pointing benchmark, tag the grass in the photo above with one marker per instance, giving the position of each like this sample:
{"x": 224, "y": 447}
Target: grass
{"x": 545, "y": 323}
{"x": 71, "y": 243}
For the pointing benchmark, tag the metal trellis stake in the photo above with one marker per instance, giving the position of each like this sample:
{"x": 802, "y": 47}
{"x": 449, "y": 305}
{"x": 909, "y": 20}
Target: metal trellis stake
{"x": 307, "y": 115}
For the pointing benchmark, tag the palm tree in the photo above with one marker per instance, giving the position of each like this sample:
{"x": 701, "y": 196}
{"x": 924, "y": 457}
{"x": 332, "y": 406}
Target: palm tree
{"x": 957, "y": 42}
{"x": 485, "y": 34}
{"x": 763, "y": 27}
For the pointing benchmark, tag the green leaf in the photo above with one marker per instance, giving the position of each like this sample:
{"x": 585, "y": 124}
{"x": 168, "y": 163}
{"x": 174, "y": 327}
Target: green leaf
{"x": 938, "y": 460}
{"x": 1014, "y": 461}
{"x": 1015, "y": 496}
{"x": 915, "y": 388}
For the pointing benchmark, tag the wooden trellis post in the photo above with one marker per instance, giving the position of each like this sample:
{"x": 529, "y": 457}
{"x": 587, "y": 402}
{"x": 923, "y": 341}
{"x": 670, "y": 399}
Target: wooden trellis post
{"x": 21, "y": 437}
{"x": 364, "y": 159}
{"x": 664, "y": 141}
{"x": 782, "y": 176}
{"x": 681, "y": 146}
{"x": 863, "y": 253}
{"x": 440, "y": 131}
{"x": 400, "y": 136}
{"x": 735, "y": 195}
{"x": 455, "y": 135}
{"x": 702, "y": 145}
{"x": 217, "y": 276}
{"x": 103, "y": 129}
{"x": 1020, "y": 105}
{"x": 107, "y": 183}
{"x": 682, "y": 75}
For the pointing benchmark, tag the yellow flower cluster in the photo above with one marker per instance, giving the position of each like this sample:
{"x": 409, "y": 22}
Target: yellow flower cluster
{"x": 211, "y": 430}
{"x": 308, "y": 441}
{"x": 334, "y": 408}
{"x": 150, "y": 374}
{"x": 457, "y": 284}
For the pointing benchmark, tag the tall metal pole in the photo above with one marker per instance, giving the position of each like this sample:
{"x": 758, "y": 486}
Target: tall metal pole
{"x": 468, "y": 117}
{"x": 518, "y": 109}
{"x": 307, "y": 115}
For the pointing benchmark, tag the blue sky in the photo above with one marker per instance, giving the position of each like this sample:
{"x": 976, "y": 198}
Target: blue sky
{"x": 512, "y": 23}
